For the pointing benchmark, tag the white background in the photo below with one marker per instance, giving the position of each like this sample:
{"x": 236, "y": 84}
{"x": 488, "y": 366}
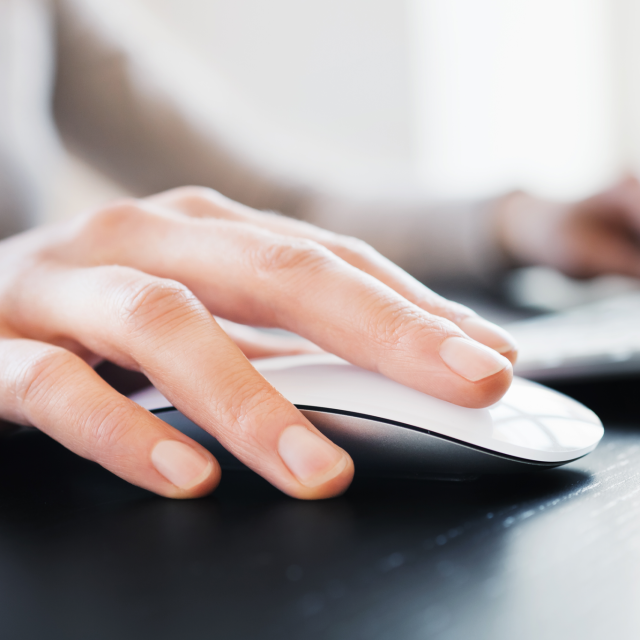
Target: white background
{"x": 466, "y": 97}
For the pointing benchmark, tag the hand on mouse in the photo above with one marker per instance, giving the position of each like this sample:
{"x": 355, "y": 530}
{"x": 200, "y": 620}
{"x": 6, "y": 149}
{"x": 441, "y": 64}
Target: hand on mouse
{"x": 138, "y": 283}
{"x": 598, "y": 235}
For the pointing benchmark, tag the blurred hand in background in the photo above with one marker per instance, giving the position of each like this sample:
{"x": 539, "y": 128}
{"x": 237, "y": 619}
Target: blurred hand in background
{"x": 596, "y": 236}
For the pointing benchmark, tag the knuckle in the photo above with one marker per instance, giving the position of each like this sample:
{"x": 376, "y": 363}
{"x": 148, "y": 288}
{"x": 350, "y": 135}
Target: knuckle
{"x": 290, "y": 256}
{"x": 247, "y": 406}
{"x": 108, "y": 424}
{"x": 103, "y": 230}
{"x": 389, "y": 326}
{"x": 112, "y": 218}
{"x": 153, "y": 302}
{"x": 253, "y": 409}
{"x": 399, "y": 328}
{"x": 36, "y": 378}
{"x": 197, "y": 201}
{"x": 203, "y": 202}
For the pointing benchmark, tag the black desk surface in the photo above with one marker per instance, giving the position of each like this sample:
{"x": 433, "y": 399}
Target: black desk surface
{"x": 550, "y": 555}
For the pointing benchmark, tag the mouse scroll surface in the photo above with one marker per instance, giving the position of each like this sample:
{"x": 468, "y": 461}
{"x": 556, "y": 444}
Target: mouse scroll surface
{"x": 393, "y": 429}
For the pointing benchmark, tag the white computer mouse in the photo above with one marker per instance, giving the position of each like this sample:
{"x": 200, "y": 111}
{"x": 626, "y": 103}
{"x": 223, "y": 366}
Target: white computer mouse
{"x": 392, "y": 430}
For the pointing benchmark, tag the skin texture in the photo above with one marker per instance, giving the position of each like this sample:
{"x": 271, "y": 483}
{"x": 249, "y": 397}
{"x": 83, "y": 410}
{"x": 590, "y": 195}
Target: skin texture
{"x": 165, "y": 285}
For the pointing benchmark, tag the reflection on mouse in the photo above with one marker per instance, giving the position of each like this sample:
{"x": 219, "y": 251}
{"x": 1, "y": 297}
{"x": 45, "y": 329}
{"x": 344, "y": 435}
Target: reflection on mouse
{"x": 392, "y": 430}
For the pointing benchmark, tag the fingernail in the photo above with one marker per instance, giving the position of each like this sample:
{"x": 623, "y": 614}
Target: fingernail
{"x": 488, "y": 333}
{"x": 470, "y": 359}
{"x": 311, "y": 459}
{"x": 180, "y": 464}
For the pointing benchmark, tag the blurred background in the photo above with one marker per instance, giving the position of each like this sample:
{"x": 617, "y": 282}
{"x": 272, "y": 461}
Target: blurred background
{"x": 465, "y": 96}
{"x": 460, "y": 97}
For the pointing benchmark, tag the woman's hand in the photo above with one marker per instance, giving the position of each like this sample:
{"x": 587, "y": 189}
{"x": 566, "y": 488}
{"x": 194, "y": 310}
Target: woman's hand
{"x": 138, "y": 283}
{"x": 599, "y": 235}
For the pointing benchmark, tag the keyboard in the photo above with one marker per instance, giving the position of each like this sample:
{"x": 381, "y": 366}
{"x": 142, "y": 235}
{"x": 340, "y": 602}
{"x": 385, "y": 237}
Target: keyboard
{"x": 594, "y": 340}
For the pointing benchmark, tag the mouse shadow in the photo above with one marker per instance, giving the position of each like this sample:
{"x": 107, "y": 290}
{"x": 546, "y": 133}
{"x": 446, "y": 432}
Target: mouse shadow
{"x": 484, "y": 491}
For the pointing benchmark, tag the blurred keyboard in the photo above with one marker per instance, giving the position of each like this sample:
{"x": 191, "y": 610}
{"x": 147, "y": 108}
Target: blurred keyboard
{"x": 598, "y": 339}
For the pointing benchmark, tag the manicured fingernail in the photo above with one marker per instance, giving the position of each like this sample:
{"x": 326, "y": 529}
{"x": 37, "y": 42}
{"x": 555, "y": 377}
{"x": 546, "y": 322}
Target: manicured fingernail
{"x": 311, "y": 459}
{"x": 470, "y": 359}
{"x": 488, "y": 333}
{"x": 180, "y": 464}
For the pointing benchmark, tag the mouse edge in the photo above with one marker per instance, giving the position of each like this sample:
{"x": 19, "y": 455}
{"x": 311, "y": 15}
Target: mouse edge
{"x": 450, "y": 449}
{"x": 307, "y": 409}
